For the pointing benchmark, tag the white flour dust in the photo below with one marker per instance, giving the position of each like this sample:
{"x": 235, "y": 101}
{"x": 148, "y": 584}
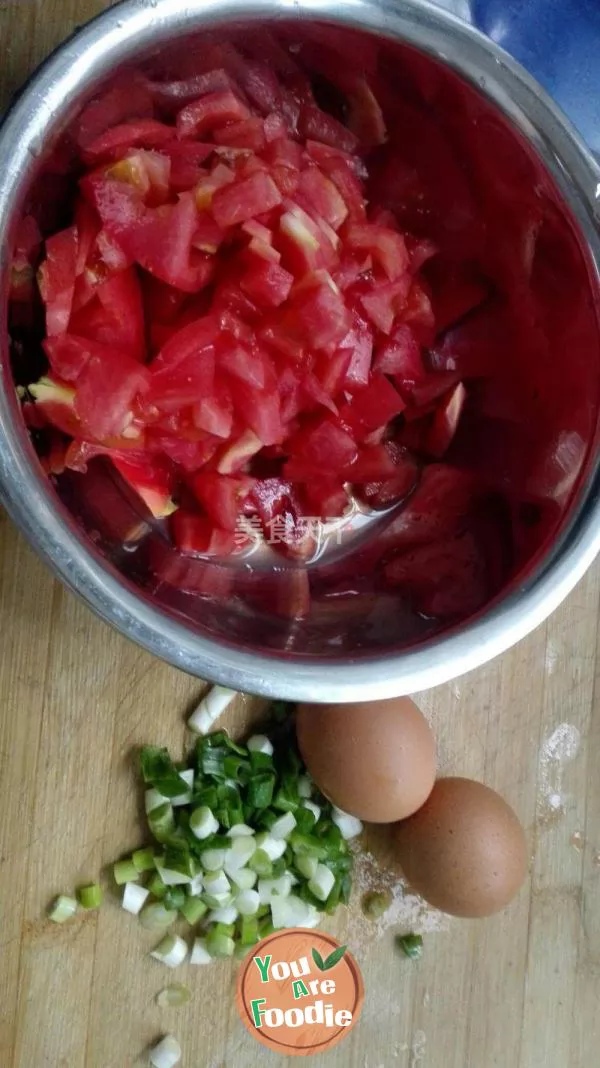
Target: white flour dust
{"x": 560, "y": 748}
{"x": 408, "y": 913}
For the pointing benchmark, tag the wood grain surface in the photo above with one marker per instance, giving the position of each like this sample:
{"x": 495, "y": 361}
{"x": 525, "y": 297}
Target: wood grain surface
{"x": 521, "y": 990}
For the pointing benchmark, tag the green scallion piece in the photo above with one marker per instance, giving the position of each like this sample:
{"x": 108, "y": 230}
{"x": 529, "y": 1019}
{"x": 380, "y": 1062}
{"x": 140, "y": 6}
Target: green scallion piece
{"x": 155, "y": 917}
{"x": 411, "y": 945}
{"x": 261, "y": 863}
{"x": 125, "y": 871}
{"x": 218, "y": 944}
{"x": 90, "y": 897}
{"x": 174, "y": 897}
{"x": 63, "y": 908}
{"x": 161, "y": 821}
{"x": 143, "y": 859}
{"x": 375, "y": 903}
{"x": 260, "y": 790}
{"x": 193, "y": 909}
{"x": 156, "y": 887}
{"x": 248, "y": 930}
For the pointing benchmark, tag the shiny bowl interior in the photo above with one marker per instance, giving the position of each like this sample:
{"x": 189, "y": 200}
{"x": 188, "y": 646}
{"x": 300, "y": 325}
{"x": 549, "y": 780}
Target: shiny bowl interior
{"x": 458, "y": 169}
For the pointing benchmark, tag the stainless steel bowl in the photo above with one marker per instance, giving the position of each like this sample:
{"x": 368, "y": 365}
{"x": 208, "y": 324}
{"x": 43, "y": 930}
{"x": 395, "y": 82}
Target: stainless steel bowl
{"x": 138, "y": 31}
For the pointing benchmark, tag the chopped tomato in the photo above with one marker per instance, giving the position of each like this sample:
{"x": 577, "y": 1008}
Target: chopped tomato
{"x": 198, "y": 536}
{"x": 106, "y": 389}
{"x": 236, "y": 203}
{"x": 221, "y": 496}
{"x": 210, "y": 112}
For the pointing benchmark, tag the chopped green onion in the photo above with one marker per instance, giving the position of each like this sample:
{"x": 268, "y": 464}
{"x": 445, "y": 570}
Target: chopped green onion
{"x": 244, "y": 878}
{"x": 174, "y": 897}
{"x": 203, "y": 822}
{"x": 283, "y": 827}
{"x": 166, "y": 1054}
{"x": 349, "y": 825}
{"x": 200, "y": 954}
{"x": 322, "y": 882}
{"x": 240, "y": 852}
{"x": 261, "y": 863}
{"x": 218, "y": 944}
{"x": 195, "y": 887}
{"x": 271, "y": 888}
{"x": 125, "y": 871}
{"x": 217, "y": 901}
{"x": 307, "y": 866}
{"x": 411, "y": 945}
{"x": 193, "y": 909}
{"x": 247, "y": 902}
{"x": 156, "y": 886}
{"x": 173, "y": 996}
{"x": 143, "y": 859}
{"x": 153, "y": 799}
{"x": 313, "y": 808}
{"x": 260, "y": 790}
{"x": 161, "y": 821}
{"x": 304, "y": 786}
{"x": 63, "y": 908}
{"x": 213, "y": 859}
{"x": 216, "y": 882}
{"x": 134, "y": 898}
{"x": 240, "y": 830}
{"x": 248, "y": 930}
{"x": 160, "y": 772}
{"x": 185, "y": 796}
{"x": 211, "y": 708}
{"x": 289, "y": 911}
{"x": 155, "y": 917}
{"x": 273, "y": 847}
{"x": 172, "y": 951}
{"x": 227, "y": 915}
{"x": 376, "y": 903}
{"x": 265, "y": 927}
{"x": 259, "y": 743}
{"x": 90, "y": 897}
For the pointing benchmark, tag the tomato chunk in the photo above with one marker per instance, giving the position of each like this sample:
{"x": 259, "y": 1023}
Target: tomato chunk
{"x": 233, "y": 204}
{"x": 209, "y": 112}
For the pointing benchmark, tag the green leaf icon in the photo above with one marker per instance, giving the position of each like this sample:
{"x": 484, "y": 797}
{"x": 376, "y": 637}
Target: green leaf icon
{"x": 334, "y": 957}
{"x": 316, "y": 956}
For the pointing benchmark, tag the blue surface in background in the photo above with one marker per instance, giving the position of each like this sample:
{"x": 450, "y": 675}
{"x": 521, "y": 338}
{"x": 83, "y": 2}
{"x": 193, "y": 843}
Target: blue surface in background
{"x": 558, "y": 41}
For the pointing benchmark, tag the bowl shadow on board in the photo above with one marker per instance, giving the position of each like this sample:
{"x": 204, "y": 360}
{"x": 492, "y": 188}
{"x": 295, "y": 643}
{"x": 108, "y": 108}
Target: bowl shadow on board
{"x": 454, "y": 171}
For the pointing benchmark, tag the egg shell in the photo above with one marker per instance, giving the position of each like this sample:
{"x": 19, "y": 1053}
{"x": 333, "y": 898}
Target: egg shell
{"x": 375, "y": 760}
{"x": 464, "y": 850}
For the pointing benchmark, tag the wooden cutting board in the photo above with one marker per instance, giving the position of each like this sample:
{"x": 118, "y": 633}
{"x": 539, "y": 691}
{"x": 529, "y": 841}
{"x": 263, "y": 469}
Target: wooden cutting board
{"x": 520, "y": 990}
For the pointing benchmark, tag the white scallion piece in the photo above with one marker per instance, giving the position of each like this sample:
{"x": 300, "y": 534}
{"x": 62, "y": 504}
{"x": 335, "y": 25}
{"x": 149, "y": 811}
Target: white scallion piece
{"x": 185, "y": 797}
{"x": 349, "y": 825}
{"x": 322, "y": 882}
{"x": 170, "y": 877}
{"x": 227, "y": 915}
{"x": 62, "y": 909}
{"x": 238, "y": 856}
{"x": 270, "y": 888}
{"x": 240, "y": 830}
{"x": 273, "y": 847}
{"x": 213, "y": 859}
{"x": 312, "y": 807}
{"x": 306, "y": 865}
{"x": 172, "y": 951}
{"x": 203, "y": 823}
{"x": 289, "y": 911}
{"x": 200, "y": 954}
{"x": 217, "y": 901}
{"x": 196, "y": 886}
{"x": 216, "y": 882}
{"x": 259, "y": 743}
{"x": 166, "y": 1054}
{"x": 304, "y": 786}
{"x": 134, "y": 898}
{"x": 154, "y": 799}
{"x": 314, "y": 918}
{"x": 283, "y": 826}
{"x": 247, "y": 902}
{"x": 211, "y": 708}
{"x": 244, "y": 878}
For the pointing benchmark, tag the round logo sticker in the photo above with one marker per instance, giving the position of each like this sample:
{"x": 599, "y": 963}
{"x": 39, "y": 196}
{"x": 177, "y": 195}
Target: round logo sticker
{"x": 299, "y": 992}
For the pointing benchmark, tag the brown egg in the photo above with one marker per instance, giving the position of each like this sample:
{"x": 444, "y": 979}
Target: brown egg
{"x": 375, "y": 760}
{"x": 464, "y": 850}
